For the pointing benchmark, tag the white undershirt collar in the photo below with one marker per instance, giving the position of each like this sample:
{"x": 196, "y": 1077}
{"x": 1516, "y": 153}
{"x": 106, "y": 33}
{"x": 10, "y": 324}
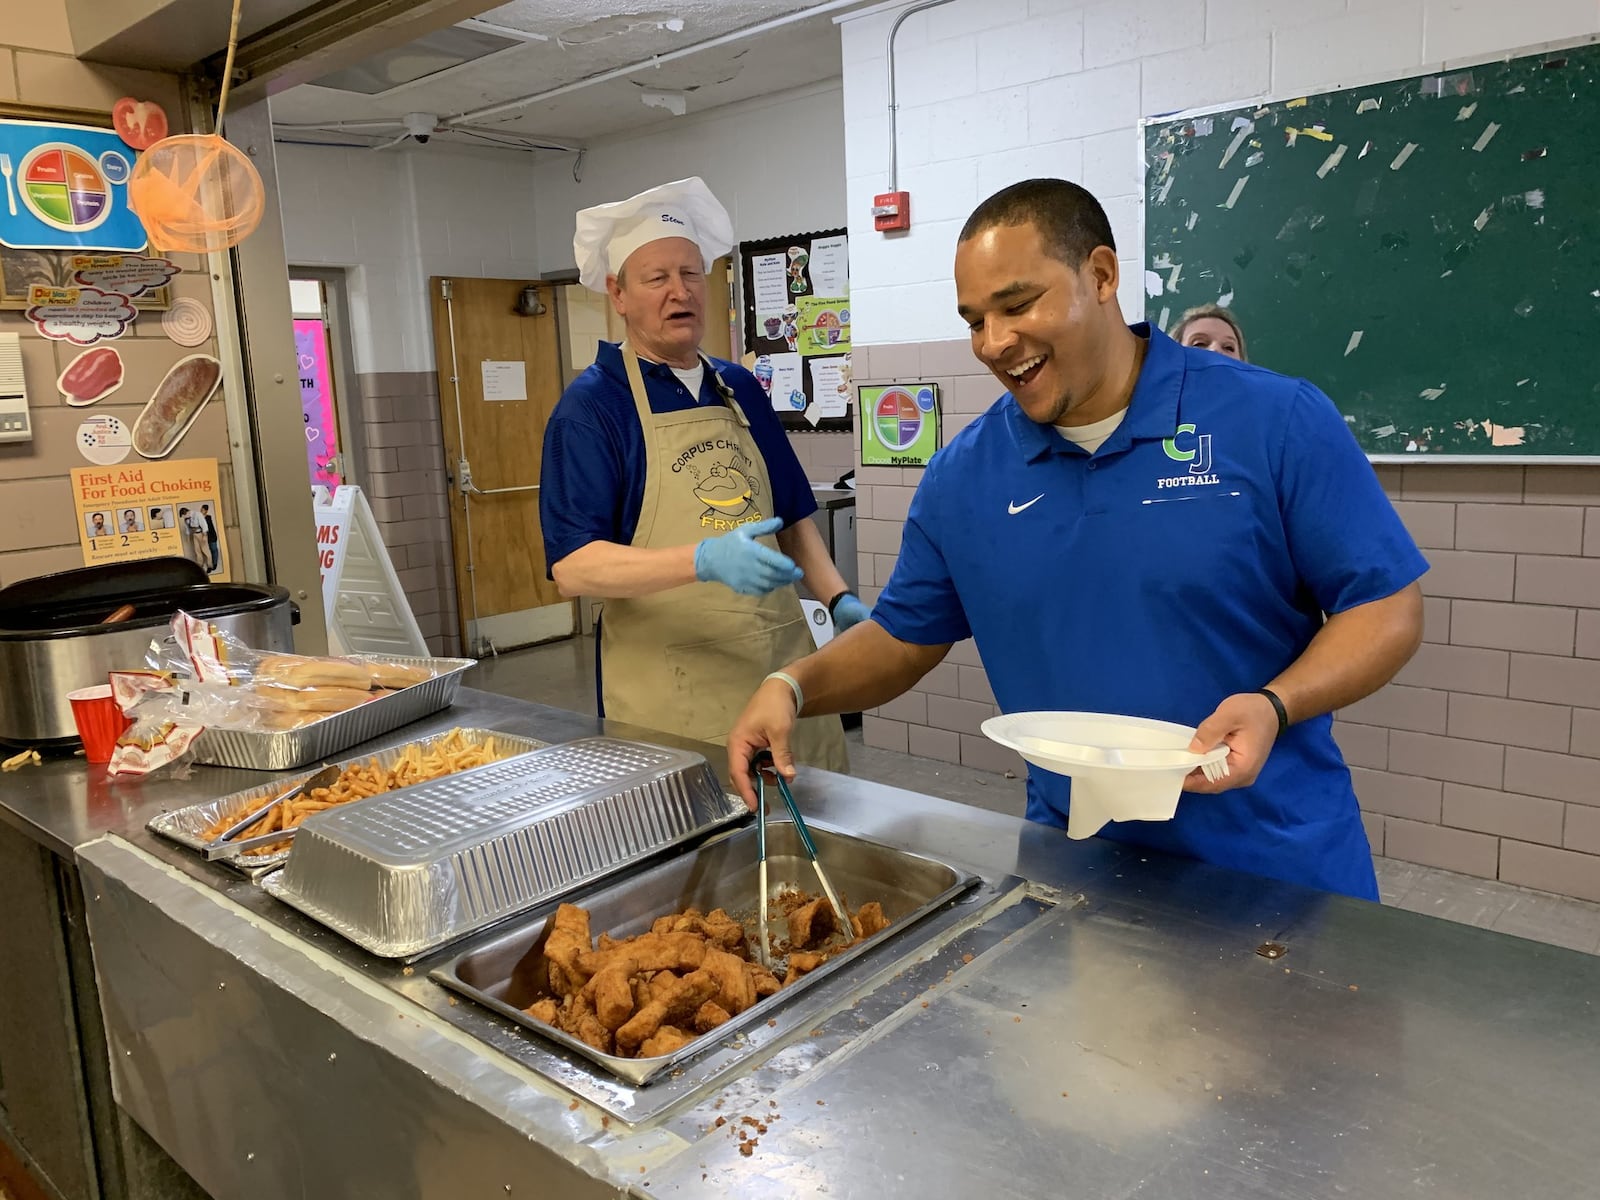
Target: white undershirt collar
{"x": 1091, "y": 437}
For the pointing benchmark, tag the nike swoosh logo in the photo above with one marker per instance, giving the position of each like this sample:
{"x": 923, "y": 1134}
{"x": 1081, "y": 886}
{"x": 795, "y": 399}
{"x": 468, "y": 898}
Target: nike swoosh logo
{"x": 1014, "y": 508}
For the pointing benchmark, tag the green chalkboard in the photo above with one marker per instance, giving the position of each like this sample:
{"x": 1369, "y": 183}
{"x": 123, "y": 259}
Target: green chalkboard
{"x": 1427, "y": 251}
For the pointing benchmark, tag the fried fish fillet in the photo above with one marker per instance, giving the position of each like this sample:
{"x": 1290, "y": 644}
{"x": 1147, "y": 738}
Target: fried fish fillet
{"x": 611, "y": 990}
{"x": 669, "y": 1039}
{"x": 810, "y": 924}
{"x": 679, "y": 1002}
{"x": 568, "y": 941}
{"x": 680, "y": 951}
{"x": 802, "y": 962}
{"x": 869, "y": 919}
{"x": 736, "y": 991}
{"x": 709, "y": 1015}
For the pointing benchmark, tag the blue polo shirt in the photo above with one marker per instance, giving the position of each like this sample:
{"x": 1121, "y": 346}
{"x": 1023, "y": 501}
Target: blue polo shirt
{"x": 1190, "y": 558}
{"x": 591, "y": 485}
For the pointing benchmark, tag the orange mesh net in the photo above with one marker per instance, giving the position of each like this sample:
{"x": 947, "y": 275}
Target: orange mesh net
{"x": 196, "y": 193}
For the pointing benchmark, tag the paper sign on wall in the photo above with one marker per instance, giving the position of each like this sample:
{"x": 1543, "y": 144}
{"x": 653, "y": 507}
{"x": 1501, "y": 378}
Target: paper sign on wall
{"x": 830, "y": 387}
{"x": 788, "y": 384}
{"x": 824, "y": 324}
{"x": 771, "y": 287}
{"x": 830, "y": 266}
{"x": 66, "y": 188}
{"x": 899, "y": 425}
{"x": 505, "y": 380}
{"x": 104, "y": 440}
{"x": 80, "y": 315}
{"x": 152, "y": 510}
{"x": 128, "y": 274}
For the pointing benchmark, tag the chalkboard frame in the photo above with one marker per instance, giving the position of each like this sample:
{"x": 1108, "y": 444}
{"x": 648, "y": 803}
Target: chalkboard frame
{"x": 1263, "y": 100}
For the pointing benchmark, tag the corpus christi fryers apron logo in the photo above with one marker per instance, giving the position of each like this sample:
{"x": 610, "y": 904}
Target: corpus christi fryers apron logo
{"x": 1186, "y": 446}
{"x": 726, "y": 482}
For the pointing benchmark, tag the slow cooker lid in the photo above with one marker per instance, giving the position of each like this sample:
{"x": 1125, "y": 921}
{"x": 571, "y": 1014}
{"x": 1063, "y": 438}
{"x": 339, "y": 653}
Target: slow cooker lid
{"x": 151, "y": 609}
{"x": 112, "y": 582}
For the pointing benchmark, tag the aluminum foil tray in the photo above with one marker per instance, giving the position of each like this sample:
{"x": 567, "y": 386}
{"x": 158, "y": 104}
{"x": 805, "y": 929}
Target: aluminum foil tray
{"x": 406, "y": 873}
{"x": 187, "y": 826}
{"x": 286, "y": 749}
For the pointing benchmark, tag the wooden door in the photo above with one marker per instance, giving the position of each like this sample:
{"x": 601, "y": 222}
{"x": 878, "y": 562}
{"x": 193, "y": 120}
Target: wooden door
{"x": 480, "y": 342}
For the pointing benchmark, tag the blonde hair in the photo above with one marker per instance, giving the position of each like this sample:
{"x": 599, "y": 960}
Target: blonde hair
{"x": 1215, "y": 312}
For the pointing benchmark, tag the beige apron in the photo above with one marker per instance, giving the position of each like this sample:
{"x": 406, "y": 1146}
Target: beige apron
{"x": 687, "y": 660}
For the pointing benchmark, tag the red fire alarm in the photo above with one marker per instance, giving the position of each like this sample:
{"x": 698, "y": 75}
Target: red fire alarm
{"x": 891, "y": 210}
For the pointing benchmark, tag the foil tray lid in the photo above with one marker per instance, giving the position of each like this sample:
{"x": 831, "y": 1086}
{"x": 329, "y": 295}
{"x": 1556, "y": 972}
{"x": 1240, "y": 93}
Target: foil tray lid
{"x": 403, "y": 873}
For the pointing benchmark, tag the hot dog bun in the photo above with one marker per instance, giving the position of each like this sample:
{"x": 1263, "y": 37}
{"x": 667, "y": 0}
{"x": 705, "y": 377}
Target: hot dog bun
{"x": 397, "y": 675}
{"x": 295, "y": 671}
{"x": 277, "y": 719}
{"x": 310, "y": 699}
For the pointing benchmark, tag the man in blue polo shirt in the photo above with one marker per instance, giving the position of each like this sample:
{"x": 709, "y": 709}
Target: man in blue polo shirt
{"x": 1143, "y": 529}
{"x": 665, "y": 478}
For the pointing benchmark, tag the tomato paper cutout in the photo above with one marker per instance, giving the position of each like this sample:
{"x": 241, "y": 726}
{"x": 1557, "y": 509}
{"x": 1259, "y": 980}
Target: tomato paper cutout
{"x": 140, "y": 123}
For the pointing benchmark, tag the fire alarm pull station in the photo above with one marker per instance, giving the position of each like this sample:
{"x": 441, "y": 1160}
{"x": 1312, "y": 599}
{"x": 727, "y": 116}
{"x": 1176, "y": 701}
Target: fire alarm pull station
{"x": 891, "y": 210}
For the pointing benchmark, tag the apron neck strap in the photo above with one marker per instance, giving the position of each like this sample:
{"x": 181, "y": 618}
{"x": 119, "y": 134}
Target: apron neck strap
{"x": 641, "y": 399}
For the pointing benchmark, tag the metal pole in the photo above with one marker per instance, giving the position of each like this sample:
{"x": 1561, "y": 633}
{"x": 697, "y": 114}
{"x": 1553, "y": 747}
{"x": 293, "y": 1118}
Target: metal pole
{"x": 894, "y": 151}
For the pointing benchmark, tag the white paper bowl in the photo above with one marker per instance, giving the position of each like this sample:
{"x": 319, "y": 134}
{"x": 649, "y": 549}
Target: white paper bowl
{"x": 1122, "y": 768}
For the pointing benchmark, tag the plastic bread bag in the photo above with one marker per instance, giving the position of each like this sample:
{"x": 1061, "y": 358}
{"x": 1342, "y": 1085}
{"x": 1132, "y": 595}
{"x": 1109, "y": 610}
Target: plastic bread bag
{"x": 161, "y": 736}
{"x": 325, "y": 683}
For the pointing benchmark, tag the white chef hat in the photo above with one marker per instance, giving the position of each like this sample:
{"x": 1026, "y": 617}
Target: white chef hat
{"x": 608, "y": 233}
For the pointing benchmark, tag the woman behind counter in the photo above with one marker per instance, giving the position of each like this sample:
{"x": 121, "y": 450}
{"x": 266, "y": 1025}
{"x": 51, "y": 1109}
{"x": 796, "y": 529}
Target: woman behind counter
{"x": 1211, "y": 327}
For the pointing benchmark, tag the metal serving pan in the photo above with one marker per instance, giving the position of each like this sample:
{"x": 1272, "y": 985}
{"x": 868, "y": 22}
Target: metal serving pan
{"x": 510, "y": 972}
{"x": 286, "y": 749}
{"x": 187, "y": 826}
{"x": 405, "y": 873}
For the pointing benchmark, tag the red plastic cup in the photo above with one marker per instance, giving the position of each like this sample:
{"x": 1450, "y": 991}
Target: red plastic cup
{"x": 99, "y": 720}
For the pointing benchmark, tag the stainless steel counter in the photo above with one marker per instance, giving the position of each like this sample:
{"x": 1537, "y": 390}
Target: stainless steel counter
{"x": 1107, "y": 1030}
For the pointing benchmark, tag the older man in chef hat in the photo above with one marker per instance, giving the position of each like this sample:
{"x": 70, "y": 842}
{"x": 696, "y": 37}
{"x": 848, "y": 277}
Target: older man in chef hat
{"x": 670, "y": 490}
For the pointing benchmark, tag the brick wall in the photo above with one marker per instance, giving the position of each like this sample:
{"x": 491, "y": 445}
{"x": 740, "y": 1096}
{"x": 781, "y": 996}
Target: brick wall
{"x": 406, "y": 485}
{"x": 825, "y": 456}
{"x": 1483, "y": 756}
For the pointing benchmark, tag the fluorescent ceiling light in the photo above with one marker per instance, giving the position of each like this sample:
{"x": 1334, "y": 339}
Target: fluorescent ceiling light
{"x": 428, "y": 55}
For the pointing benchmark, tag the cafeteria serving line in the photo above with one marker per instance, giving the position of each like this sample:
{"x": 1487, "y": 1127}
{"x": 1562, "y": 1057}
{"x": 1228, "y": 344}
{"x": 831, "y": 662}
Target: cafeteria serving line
{"x": 1143, "y": 1023}
{"x": 820, "y": 357}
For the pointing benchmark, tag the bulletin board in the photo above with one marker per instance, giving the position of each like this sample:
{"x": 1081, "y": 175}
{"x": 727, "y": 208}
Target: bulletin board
{"x": 795, "y": 303}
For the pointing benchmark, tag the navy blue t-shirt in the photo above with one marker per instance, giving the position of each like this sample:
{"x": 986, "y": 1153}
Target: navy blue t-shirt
{"x": 1190, "y": 558}
{"x": 591, "y": 487}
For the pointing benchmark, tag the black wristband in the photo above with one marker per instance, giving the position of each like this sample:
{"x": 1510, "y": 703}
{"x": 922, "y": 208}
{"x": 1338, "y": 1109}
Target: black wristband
{"x": 1277, "y": 707}
{"x": 834, "y": 603}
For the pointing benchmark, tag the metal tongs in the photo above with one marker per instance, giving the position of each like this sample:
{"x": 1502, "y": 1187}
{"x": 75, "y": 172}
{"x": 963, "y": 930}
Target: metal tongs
{"x": 759, "y": 766}
{"x": 226, "y": 847}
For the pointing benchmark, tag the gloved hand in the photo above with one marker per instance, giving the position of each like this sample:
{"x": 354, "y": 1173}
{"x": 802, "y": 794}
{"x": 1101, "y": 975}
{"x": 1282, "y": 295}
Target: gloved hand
{"x": 849, "y": 611}
{"x": 744, "y": 564}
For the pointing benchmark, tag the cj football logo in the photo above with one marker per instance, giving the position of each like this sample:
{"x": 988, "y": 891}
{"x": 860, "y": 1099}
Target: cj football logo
{"x": 1188, "y": 446}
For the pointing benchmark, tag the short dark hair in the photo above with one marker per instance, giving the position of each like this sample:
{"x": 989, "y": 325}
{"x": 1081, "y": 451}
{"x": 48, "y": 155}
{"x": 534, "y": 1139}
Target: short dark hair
{"x": 1069, "y": 219}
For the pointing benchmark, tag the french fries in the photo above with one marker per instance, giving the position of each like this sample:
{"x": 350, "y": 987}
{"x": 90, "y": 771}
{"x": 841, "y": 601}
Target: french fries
{"x": 450, "y": 754}
{"x": 28, "y": 758}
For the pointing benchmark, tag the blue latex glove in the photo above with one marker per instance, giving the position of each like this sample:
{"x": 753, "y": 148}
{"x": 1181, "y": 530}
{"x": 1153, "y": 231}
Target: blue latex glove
{"x": 744, "y": 564}
{"x": 849, "y": 611}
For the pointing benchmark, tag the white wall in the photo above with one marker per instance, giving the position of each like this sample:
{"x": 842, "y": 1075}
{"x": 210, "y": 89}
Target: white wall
{"x": 993, "y": 91}
{"x": 397, "y": 217}
{"x": 777, "y": 163}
